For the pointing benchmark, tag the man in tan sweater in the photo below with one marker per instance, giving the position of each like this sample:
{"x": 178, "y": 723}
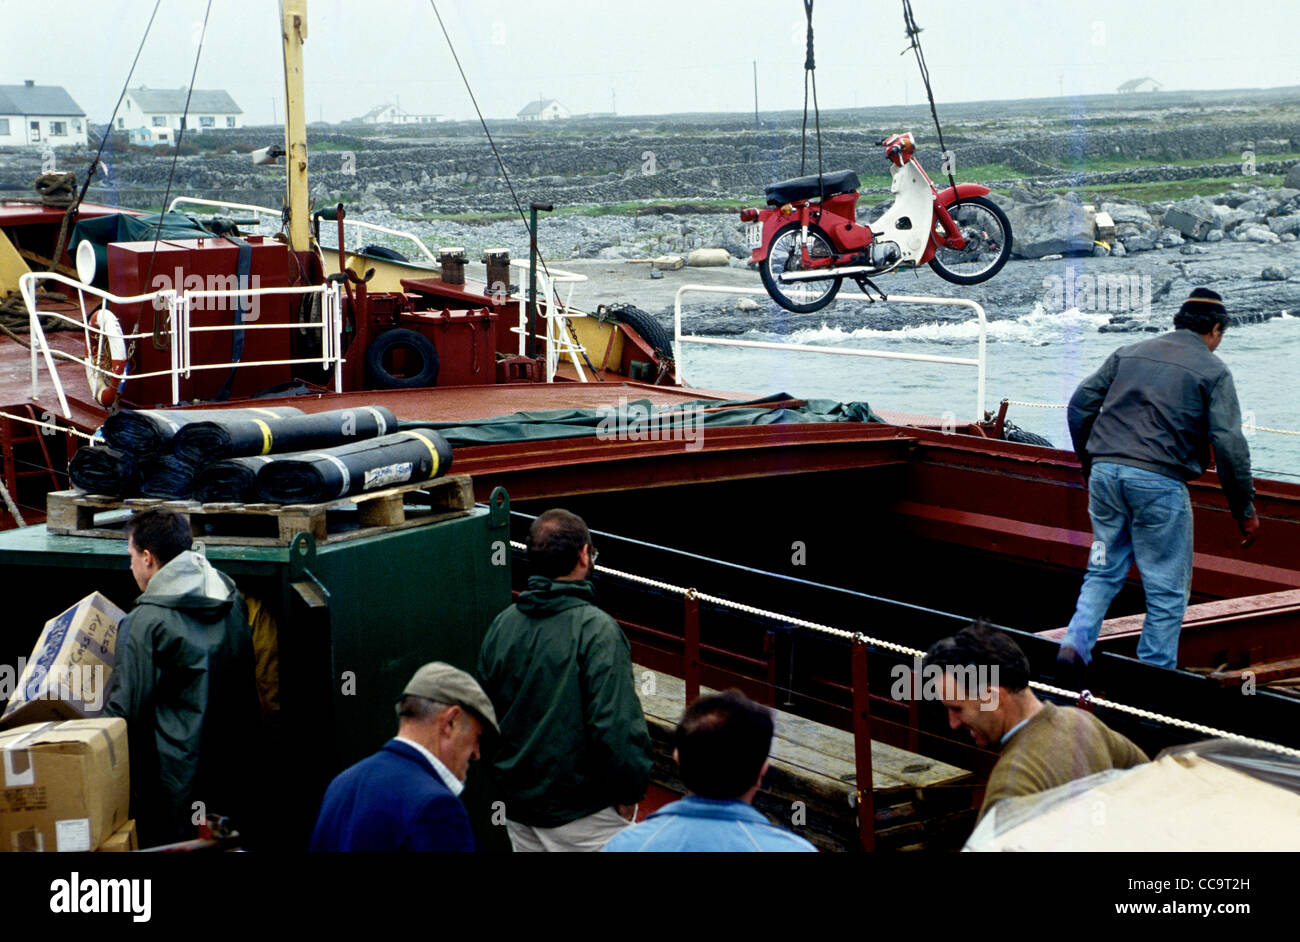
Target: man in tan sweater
{"x": 986, "y": 690}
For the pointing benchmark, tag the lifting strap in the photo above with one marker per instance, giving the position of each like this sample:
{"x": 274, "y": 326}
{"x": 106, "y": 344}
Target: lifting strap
{"x": 914, "y": 38}
{"x": 242, "y": 267}
{"x": 810, "y": 74}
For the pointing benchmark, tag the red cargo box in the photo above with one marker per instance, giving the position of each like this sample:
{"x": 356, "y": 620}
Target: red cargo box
{"x": 206, "y": 264}
{"x": 466, "y": 342}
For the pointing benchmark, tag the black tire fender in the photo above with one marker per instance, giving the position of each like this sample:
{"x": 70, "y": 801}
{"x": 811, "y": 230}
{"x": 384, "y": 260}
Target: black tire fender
{"x": 378, "y": 375}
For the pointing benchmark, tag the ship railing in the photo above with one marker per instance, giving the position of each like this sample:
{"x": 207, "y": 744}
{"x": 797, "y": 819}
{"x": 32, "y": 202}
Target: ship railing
{"x": 178, "y": 308}
{"x": 555, "y": 312}
{"x": 865, "y": 706}
{"x": 980, "y": 361}
{"x": 393, "y": 232}
{"x": 223, "y": 204}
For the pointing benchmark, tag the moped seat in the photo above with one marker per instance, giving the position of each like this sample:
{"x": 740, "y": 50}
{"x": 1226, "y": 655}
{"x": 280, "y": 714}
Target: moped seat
{"x": 804, "y": 188}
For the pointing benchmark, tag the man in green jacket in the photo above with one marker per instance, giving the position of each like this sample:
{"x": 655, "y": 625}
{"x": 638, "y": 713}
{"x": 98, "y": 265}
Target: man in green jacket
{"x": 183, "y": 681}
{"x": 573, "y": 759}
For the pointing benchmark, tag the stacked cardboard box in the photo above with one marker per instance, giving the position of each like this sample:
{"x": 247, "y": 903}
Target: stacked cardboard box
{"x": 68, "y": 674}
{"x": 66, "y": 784}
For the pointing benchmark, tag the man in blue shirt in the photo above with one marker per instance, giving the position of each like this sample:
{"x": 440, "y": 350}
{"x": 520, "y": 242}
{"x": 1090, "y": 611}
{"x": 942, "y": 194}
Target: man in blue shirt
{"x": 722, "y": 745}
{"x": 406, "y": 797}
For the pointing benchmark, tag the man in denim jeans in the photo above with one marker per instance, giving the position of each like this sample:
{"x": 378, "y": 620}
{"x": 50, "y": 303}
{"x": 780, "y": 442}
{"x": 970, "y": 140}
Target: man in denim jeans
{"x": 1142, "y": 426}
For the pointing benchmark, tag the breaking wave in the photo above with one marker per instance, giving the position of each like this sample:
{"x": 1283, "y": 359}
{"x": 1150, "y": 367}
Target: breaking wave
{"x": 1036, "y": 327}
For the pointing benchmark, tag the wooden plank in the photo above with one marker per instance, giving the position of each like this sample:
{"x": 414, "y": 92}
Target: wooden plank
{"x": 813, "y": 750}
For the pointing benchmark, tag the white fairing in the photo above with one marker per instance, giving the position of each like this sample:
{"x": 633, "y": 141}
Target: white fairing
{"x": 914, "y": 201}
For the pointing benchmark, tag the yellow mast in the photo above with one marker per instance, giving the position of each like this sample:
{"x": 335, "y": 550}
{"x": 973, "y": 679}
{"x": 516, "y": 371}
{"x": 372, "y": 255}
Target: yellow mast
{"x": 293, "y": 26}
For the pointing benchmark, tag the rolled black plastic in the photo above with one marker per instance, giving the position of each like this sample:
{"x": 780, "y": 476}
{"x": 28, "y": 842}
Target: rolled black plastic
{"x": 102, "y": 470}
{"x": 168, "y": 477}
{"x": 230, "y": 480}
{"x": 242, "y": 436}
{"x": 317, "y": 477}
{"x": 146, "y": 433}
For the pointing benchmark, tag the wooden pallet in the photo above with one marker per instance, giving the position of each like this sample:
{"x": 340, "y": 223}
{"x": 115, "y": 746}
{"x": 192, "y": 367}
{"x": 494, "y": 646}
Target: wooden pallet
{"x": 393, "y": 508}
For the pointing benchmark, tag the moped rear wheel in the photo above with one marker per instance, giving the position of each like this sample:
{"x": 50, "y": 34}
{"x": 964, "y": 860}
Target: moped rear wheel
{"x": 988, "y": 243}
{"x": 784, "y": 255}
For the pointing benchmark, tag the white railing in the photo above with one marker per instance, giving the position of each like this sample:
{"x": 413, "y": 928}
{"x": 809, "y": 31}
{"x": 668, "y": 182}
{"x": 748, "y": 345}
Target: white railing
{"x": 179, "y": 309}
{"x": 979, "y": 362}
{"x": 393, "y": 232}
{"x": 554, "y": 310}
{"x": 222, "y": 204}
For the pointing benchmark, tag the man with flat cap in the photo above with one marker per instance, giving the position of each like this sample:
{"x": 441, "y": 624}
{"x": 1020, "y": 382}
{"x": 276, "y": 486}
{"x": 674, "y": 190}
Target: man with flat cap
{"x": 406, "y": 797}
{"x": 1143, "y": 425}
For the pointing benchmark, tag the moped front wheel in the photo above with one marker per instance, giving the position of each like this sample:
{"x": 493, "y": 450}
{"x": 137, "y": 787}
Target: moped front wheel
{"x": 988, "y": 243}
{"x": 784, "y": 255}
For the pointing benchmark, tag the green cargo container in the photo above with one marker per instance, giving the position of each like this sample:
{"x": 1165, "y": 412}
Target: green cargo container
{"x": 355, "y": 617}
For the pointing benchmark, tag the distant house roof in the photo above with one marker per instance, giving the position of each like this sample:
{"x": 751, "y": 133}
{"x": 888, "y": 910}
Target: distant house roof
{"x": 375, "y": 112}
{"x": 38, "y": 99}
{"x": 172, "y": 101}
{"x": 1134, "y": 83}
{"x": 536, "y": 107}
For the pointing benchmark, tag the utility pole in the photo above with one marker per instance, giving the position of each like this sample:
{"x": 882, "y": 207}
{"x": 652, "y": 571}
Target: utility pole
{"x": 755, "y": 93}
{"x": 613, "y": 104}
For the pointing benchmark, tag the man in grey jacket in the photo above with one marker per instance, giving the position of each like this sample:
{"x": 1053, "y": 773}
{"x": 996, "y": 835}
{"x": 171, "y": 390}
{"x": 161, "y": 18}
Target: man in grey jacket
{"x": 1142, "y": 426}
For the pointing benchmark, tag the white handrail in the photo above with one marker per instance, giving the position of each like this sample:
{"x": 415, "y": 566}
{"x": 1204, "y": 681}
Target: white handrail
{"x": 557, "y": 344}
{"x": 222, "y": 204}
{"x": 179, "y": 308}
{"x": 979, "y": 362}
{"x": 394, "y": 232}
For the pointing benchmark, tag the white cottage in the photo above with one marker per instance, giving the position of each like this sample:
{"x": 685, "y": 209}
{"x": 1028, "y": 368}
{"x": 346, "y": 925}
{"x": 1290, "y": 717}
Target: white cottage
{"x": 40, "y": 115}
{"x": 153, "y": 115}
{"x": 543, "y": 109}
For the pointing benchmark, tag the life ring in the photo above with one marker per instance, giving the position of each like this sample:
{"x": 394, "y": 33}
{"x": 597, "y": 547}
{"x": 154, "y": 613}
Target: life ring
{"x": 106, "y": 356}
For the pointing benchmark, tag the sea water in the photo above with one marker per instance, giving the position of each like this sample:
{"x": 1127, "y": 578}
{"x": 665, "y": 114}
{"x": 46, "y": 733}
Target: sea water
{"x": 1036, "y": 356}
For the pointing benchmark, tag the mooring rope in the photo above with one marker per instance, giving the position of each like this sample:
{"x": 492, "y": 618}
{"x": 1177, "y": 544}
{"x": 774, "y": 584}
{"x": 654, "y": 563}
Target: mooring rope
{"x": 917, "y": 652}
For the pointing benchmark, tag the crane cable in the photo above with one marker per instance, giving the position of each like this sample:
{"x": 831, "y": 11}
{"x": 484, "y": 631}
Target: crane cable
{"x": 810, "y": 75}
{"x": 914, "y": 43}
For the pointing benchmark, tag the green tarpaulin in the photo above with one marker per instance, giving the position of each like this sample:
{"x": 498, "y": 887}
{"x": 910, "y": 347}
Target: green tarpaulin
{"x": 641, "y": 420}
{"x": 120, "y": 227}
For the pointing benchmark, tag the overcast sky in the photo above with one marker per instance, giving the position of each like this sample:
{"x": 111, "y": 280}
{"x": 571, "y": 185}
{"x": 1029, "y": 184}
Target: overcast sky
{"x": 647, "y": 56}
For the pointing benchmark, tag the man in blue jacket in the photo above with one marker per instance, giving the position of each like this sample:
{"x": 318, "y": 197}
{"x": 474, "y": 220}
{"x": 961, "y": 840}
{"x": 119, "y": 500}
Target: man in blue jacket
{"x": 722, "y": 746}
{"x": 1143, "y": 426}
{"x": 406, "y": 797}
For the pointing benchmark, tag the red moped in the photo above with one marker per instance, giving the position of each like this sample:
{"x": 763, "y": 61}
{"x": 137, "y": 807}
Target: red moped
{"x": 808, "y": 240}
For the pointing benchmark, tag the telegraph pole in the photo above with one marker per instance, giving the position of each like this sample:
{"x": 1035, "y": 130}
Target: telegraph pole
{"x": 755, "y": 93}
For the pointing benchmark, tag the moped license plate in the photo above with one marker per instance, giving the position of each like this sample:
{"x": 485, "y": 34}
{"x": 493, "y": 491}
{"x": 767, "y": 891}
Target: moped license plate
{"x": 753, "y": 234}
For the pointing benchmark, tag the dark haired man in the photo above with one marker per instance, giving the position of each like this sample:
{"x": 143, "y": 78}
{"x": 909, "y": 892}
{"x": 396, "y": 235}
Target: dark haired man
{"x": 184, "y": 683}
{"x": 406, "y": 797}
{"x": 1042, "y": 745}
{"x": 573, "y": 759}
{"x": 1142, "y": 426}
{"x": 721, "y": 750}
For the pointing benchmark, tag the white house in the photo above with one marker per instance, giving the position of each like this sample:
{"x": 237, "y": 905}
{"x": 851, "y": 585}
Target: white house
{"x": 40, "y": 115}
{"x": 393, "y": 114}
{"x": 543, "y": 109}
{"x": 153, "y": 115}
{"x": 1138, "y": 85}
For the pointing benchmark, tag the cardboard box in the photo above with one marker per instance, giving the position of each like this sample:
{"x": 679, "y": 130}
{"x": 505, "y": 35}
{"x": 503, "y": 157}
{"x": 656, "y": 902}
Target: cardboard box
{"x": 65, "y": 784}
{"x": 68, "y": 674}
{"x": 121, "y": 840}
